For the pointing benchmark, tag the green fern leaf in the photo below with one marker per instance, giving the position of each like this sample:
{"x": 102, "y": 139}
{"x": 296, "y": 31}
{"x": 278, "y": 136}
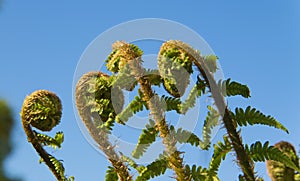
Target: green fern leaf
{"x": 211, "y": 121}
{"x": 184, "y": 136}
{"x": 196, "y": 92}
{"x": 49, "y": 141}
{"x": 220, "y": 152}
{"x": 232, "y": 88}
{"x": 171, "y": 103}
{"x": 259, "y": 153}
{"x": 154, "y": 169}
{"x": 135, "y": 106}
{"x": 111, "y": 174}
{"x": 146, "y": 138}
{"x": 252, "y": 116}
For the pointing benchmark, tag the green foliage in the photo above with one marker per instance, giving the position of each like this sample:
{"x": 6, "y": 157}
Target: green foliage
{"x": 46, "y": 140}
{"x": 260, "y": 153}
{"x": 232, "y": 88}
{"x": 211, "y": 121}
{"x": 184, "y": 136}
{"x": 99, "y": 99}
{"x": 211, "y": 62}
{"x": 196, "y": 92}
{"x": 220, "y": 152}
{"x": 171, "y": 103}
{"x": 146, "y": 138}
{"x": 135, "y": 106}
{"x": 111, "y": 174}
{"x": 154, "y": 169}
{"x": 252, "y": 116}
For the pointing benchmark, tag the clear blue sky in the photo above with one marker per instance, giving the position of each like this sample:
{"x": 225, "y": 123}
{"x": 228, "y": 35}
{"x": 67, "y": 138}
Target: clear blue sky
{"x": 41, "y": 42}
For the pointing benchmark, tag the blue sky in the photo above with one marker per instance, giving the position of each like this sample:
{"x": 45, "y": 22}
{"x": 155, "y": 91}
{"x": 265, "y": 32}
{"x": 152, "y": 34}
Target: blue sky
{"x": 41, "y": 43}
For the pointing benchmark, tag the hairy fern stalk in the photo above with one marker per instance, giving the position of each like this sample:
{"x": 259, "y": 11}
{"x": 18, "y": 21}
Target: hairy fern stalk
{"x": 100, "y": 101}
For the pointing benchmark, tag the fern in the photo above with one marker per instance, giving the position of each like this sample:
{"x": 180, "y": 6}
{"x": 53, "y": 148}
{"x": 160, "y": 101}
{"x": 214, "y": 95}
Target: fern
{"x": 154, "y": 169}
{"x": 135, "y": 106}
{"x": 146, "y": 138}
{"x": 111, "y": 174}
{"x": 153, "y": 76}
{"x": 108, "y": 125}
{"x": 49, "y": 141}
{"x": 232, "y": 88}
{"x": 196, "y": 92}
{"x": 220, "y": 152}
{"x": 260, "y": 153}
{"x": 171, "y": 103}
{"x": 184, "y": 136}
{"x": 132, "y": 163}
{"x": 252, "y": 116}
{"x": 212, "y": 120}
{"x": 59, "y": 168}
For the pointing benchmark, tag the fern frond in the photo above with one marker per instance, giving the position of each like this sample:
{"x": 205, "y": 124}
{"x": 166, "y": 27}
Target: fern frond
{"x": 232, "y": 88}
{"x": 171, "y": 103}
{"x": 184, "y": 136}
{"x": 46, "y": 140}
{"x": 259, "y": 153}
{"x": 132, "y": 163}
{"x": 108, "y": 125}
{"x": 211, "y": 121}
{"x": 211, "y": 62}
{"x": 252, "y": 116}
{"x": 59, "y": 168}
{"x": 196, "y": 92}
{"x": 220, "y": 152}
{"x": 135, "y": 106}
{"x": 146, "y": 138}
{"x": 153, "y": 77}
{"x": 111, "y": 174}
{"x": 154, "y": 169}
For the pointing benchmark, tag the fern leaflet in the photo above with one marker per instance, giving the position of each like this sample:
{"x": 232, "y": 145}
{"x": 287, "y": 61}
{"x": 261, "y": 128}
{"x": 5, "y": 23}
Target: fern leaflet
{"x": 111, "y": 174}
{"x": 146, "y": 138}
{"x": 252, "y": 116}
{"x": 259, "y": 153}
{"x": 232, "y": 88}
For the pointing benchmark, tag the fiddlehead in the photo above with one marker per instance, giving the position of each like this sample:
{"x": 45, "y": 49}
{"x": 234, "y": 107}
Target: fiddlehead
{"x": 243, "y": 159}
{"x": 289, "y": 162}
{"x": 133, "y": 56}
{"x": 96, "y": 107}
{"x": 42, "y": 109}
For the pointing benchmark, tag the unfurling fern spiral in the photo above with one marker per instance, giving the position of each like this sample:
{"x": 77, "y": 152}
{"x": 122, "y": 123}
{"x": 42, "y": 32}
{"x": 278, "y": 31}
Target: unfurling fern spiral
{"x": 278, "y": 171}
{"x": 175, "y": 67}
{"x": 42, "y": 109}
{"x": 98, "y": 102}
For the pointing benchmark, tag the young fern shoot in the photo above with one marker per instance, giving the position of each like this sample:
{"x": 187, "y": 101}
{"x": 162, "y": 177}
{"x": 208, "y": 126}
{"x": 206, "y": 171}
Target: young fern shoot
{"x": 42, "y": 109}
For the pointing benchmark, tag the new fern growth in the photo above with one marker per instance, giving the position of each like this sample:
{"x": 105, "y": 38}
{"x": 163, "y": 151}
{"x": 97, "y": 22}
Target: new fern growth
{"x": 100, "y": 101}
{"x": 42, "y": 110}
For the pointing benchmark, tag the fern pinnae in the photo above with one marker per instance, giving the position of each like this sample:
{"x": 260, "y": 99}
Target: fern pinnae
{"x": 147, "y": 137}
{"x": 211, "y": 121}
{"x": 252, "y": 116}
{"x": 154, "y": 169}
{"x": 111, "y": 174}
{"x": 232, "y": 88}
{"x": 220, "y": 152}
{"x": 135, "y": 106}
{"x": 260, "y": 153}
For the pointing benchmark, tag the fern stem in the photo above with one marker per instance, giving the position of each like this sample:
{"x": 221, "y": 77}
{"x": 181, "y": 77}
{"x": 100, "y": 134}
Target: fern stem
{"x": 100, "y": 135}
{"x": 175, "y": 160}
{"x": 101, "y": 138}
{"x": 40, "y": 150}
{"x": 242, "y": 157}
